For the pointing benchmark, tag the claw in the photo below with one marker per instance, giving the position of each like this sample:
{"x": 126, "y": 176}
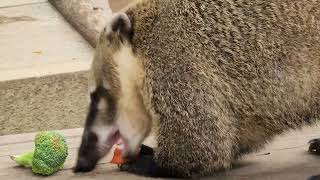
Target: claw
{"x": 314, "y": 146}
{"x": 317, "y": 177}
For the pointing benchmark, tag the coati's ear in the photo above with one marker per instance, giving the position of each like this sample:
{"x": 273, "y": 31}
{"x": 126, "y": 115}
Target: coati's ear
{"x": 121, "y": 23}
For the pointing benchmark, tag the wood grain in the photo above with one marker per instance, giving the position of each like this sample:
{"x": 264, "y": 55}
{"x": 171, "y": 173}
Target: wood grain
{"x": 285, "y": 158}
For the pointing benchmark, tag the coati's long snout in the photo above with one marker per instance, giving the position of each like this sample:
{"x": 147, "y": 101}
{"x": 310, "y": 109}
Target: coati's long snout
{"x": 91, "y": 151}
{"x": 116, "y": 111}
{"x": 100, "y": 132}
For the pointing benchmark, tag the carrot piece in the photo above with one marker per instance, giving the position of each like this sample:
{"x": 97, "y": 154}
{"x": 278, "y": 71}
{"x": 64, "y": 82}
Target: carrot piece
{"x": 117, "y": 157}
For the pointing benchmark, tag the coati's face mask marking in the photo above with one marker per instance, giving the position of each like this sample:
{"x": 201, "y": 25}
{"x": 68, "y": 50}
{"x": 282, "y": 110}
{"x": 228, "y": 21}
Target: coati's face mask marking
{"x": 100, "y": 133}
{"x": 116, "y": 109}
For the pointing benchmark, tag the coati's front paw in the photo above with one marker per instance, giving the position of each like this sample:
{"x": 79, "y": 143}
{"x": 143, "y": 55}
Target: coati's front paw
{"x": 317, "y": 177}
{"x": 314, "y": 146}
{"x": 145, "y": 165}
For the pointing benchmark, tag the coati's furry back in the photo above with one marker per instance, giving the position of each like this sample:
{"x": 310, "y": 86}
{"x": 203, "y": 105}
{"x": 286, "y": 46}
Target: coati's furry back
{"x": 219, "y": 77}
{"x": 225, "y": 76}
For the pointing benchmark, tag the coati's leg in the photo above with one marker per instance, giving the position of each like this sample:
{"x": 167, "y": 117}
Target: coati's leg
{"x": 193, "y": 150}
{"x": 314, "y": 146}
{"x": 317, "y": 177}
{"x": 145, "y": 164}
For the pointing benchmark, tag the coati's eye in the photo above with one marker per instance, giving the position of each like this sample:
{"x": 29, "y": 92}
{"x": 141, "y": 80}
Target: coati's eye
{"x": 94, "y": 97}
{"x": 102, "y": 106}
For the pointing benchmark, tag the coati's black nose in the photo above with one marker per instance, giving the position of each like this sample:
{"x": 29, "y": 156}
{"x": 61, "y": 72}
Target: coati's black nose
{"x": 84, "y": 165}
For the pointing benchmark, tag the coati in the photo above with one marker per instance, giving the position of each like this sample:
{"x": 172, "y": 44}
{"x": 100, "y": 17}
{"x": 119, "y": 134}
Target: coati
{"x": 219, "y": 78}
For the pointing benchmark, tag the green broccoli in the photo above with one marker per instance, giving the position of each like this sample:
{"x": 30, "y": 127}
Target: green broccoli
{"x": 49, "y": 155}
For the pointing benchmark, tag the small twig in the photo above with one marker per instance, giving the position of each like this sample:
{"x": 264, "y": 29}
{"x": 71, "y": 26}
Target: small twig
{"x": 264, "y": 154}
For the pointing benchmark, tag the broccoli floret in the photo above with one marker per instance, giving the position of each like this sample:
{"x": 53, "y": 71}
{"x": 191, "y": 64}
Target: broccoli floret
{"x": 49, "y": 155}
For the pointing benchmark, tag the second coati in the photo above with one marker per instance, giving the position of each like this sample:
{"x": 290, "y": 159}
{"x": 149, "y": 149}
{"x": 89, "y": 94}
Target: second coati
{"x": 219, "y": 78}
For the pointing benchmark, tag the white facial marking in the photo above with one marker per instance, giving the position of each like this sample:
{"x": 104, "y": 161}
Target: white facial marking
{"x": 102, "y": 105}
{"x": 132, "y": 119}
{"x": 131, "y": 134}
{"x": 104, "y": 134}
{"x": 128, "y": 69}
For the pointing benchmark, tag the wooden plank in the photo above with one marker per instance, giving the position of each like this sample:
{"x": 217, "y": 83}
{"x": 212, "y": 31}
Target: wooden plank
{"x": 286, "y": 158}
{"x": 21, "y": 148}
{"x": 29, "y": 137}
{"x": 24, "y": 142}
{"x": 13, "y": 149}
{"x": 103, "y": 172}
{"x": 7, "y": 163}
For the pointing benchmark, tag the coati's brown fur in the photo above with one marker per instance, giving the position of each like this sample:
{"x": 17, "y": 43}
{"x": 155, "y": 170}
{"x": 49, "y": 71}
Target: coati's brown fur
{"x": 223, "y": 77}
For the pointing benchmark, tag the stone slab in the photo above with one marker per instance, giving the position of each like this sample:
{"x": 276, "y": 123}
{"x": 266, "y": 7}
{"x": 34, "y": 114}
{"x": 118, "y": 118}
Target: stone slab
{"x": 11, "y": 3}
{"x": 36, "y": 41}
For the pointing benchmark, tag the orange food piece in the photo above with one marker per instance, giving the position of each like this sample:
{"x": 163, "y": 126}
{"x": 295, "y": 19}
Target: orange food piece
{"x": 117, "y": 157}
